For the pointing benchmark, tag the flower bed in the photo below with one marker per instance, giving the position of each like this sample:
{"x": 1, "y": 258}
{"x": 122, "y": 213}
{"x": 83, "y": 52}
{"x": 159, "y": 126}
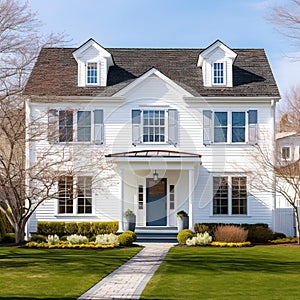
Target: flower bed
{"x": 230, "y": 244}
{"x": 67, "y": 245}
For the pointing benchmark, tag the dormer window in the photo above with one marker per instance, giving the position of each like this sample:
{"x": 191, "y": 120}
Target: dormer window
{"x": 92, "y": 73}
{"x": 219, "y": 73}
{"x": 93, "y": 64}
{"x": 216, "y": 62}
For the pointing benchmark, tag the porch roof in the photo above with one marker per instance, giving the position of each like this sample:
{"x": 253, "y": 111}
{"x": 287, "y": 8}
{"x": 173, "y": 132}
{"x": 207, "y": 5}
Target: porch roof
{"x": 155, "y": 153}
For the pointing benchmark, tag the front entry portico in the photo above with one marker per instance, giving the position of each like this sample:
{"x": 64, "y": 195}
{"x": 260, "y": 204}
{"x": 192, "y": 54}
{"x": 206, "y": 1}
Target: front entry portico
{"x": 156, "y": 202}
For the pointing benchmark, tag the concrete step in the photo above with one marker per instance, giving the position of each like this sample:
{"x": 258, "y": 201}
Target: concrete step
{"x": 155, "y": 234}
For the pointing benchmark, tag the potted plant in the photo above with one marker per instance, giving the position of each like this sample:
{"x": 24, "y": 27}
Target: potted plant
{"x": 182, "y": 220}
{"x": 130, "y": 220}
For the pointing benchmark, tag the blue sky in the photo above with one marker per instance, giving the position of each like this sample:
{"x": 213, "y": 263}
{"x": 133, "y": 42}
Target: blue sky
{"x": 172, "y": 24}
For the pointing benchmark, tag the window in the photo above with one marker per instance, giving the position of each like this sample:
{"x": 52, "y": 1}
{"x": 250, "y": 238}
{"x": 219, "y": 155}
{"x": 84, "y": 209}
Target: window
{"x": 84, "y": 126}
{"x": 239, "y": 195}
{"x": 230, "y": 195}
{"x": 155, "y": 126}
{"x": 92, "y": 73}
{"x": 220, "y": 127}
{"x": 67, "y": 203}
{"x": 238, "y": 127}
{"x": 230, "y": 127}
{"x": 70, "y": 126}
{"x": 141, "y": 197}
{"x": 65, "y": 195}
{"x": 220, "y": 190}
{"x": 286, "y": 152}
{"x": 65, "y": 126}
{"x": 172, "y": 196}
{"x": 218, "y": 73}
{"x": 84, "y": 195}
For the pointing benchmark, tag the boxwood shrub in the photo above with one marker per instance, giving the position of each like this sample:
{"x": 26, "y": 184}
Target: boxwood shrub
{"x": 81, "y": 228}
{"x": 183, "y": 235}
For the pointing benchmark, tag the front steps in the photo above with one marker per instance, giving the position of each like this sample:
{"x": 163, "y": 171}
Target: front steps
{"x": 156, "y": 234}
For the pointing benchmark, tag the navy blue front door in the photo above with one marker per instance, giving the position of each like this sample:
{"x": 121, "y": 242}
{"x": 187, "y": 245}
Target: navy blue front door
{"x": 156, "y": 208}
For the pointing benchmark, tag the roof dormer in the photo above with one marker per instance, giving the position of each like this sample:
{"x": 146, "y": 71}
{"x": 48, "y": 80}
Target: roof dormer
{"x": 216, "y": 62}
{"x": 93, "y": 64}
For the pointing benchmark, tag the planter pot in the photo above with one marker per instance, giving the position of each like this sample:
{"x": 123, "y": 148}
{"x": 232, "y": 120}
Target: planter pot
{"x": 182, "y": 223}
{"x": 129, "y": 223}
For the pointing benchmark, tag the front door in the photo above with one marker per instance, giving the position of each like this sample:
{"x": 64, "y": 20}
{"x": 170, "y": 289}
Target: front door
{"x": 156, "y": 199}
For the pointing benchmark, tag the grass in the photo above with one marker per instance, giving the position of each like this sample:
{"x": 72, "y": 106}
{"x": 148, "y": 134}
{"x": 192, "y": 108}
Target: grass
{"x": 55, "y": 273}
{"x": 227, "y": 273}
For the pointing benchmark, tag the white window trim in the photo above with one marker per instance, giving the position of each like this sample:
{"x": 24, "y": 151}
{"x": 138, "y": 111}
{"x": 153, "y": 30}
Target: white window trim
{"x": 229, "y": 176}
{"x": 166, "y": 125}
{"x": 290, "y": 152}
{"x": 75, "y": 201}
{"x": 98, "y": 83}
{"x": 224, "y": 73}
{"x": 229, "y": 127}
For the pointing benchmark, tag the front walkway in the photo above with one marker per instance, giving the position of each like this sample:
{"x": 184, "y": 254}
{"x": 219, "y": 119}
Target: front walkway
{"x": 129, "y": 280}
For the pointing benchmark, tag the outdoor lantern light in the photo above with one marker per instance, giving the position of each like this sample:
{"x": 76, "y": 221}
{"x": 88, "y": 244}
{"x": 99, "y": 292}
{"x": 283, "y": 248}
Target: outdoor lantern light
{"x": 155, "y": 176}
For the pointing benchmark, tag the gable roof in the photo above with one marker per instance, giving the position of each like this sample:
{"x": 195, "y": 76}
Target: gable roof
{"x": 55, "y": 72}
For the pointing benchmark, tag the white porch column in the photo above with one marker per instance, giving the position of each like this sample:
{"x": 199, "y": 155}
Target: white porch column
{"x": 191, "y": 196}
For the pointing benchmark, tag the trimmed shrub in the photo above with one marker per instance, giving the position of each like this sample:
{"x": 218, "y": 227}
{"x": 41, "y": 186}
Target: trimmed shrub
{"x": 38, "y": 238}
{"x": 278, "y": 235}
{"x": 5, "y": 226}
{"x": 199, "y": 240}
{"x": 259, "y": 234}
{"x": 51, "y": 228}
{"x": 77, "y": 239}
{"x": 133, "y": 234}
{"x": 125, "y": 239}
{"x": 9, "y": 238}
{"x": 200, "y": 228}
{"x": 105, "y": 227}
{"x": 71, "y": 228}
{"x": 230, "y": 233}
{"x": 183, "y": 235}
{"x": 87, "y": 229}
{"x": 64, "y": 238}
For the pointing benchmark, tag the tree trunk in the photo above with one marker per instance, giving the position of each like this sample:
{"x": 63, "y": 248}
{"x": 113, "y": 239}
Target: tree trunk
{"x": 20, "y": 233}
{"x": 296, "y": 214}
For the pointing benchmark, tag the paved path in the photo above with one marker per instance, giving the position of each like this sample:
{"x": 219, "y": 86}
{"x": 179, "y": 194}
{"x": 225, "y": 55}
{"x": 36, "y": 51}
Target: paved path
{"x": 129, "y": 280}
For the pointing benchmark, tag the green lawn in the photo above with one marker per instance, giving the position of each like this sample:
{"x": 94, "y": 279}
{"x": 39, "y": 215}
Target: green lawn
{"x": 55, "y": 273}
{"x": 227, "y": 273}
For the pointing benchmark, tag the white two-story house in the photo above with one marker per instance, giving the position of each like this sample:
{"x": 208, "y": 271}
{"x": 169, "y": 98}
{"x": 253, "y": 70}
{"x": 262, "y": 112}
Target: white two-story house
{"x": 179, "y": 125}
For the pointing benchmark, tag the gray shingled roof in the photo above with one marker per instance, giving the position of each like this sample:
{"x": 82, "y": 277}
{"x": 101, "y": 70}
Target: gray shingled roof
{"x": 55, "y": 72}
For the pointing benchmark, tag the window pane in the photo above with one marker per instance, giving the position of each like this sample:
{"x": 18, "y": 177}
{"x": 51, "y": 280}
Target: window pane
{"x": 238, "y": 127}
{"x": 84, "y": 126}
{"x": 220, "y": 119}
{"x": 153, "y": 126}
{"x": 65, "y": 126}
{"x": 84, "y": 195}
{"x": 65, "y": 195}
{"x": 92, "y": 73}
{"x": 220, "y": 195}
{"x": 239, "y": 195}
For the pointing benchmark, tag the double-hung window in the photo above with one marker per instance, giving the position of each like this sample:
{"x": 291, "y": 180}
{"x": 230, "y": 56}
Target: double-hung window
{"x": 229, "y": 127}
{"x": 84, "y": 126}
{"x": 66, "y": 126}
{"x": 81, "y": 203}
{"x": 230, "y": 195}
{"x": 75, "y": 126}
{"x": 154, "y": 126}
{"x": 286, "y": 153}
{"x": 92, "y": 73}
